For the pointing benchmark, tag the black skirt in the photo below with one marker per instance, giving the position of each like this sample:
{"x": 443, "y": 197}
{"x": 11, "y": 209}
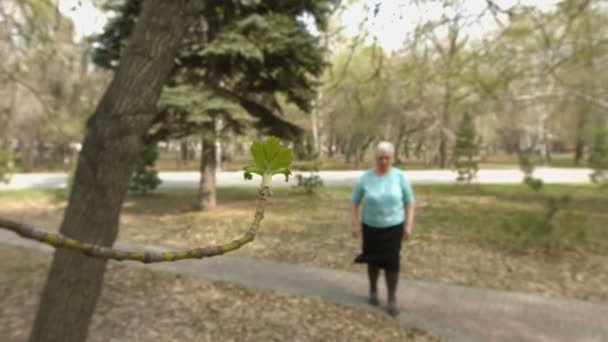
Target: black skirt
{"x": 382, "y": 247}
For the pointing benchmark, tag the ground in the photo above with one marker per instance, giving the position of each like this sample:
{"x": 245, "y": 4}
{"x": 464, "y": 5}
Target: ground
{"x": 464, "y": 235}
{"x": 138, "y": 305}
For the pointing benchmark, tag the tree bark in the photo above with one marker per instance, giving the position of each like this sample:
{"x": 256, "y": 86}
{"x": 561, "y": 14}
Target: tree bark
{"x": 314, "y": 120}
{"x": 27, "y": 151}
{"x": 445, "y": 125}
{"x": 583, "y": 116}
{"x": 218, "y": 143}
{"x": 111, "y": 143}
{"x": 406, "y": 147}
{"x": 331, "y": 144}
{"x": 398, "y": 142}
{"x": 207, "y": 184}
{"x": 184, "y": 151}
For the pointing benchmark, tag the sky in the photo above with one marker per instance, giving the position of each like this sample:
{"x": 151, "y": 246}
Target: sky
{"x": 390, "y": 26}
{"x": 87, "y": 19}
{"x": 396, "y": 18}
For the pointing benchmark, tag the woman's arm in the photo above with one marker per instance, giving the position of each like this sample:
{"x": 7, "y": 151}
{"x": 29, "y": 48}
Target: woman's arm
{"x": 409, "y": 221}
{"x": 355, "y": 223}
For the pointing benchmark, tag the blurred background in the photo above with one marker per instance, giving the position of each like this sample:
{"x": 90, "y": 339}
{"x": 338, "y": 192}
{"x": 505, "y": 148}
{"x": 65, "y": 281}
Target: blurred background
{"x": 473, "y": 94}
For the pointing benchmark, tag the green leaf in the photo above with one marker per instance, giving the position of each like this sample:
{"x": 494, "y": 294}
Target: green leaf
{"x": 270, "y": 159}
{"x": 282, "y": 159}
{"x": 257, "y": 150}
{"x": 250, "y": 170}
{"x": 285, "y": 172}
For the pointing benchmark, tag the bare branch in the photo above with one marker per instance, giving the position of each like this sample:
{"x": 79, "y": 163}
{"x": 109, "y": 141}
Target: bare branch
{"x": 96, "y": 251}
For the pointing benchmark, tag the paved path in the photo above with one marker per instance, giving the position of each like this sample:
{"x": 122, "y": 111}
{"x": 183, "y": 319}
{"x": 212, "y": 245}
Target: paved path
{"x": 190, "y": 179}
{"x": 457, "y": 313}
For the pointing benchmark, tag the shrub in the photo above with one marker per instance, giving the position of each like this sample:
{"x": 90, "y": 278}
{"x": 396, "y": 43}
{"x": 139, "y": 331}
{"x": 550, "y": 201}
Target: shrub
{"x": 466, "y": 150}
{"x": 311, "y": 182}
{"x": 598, "y": 157}
{"x": 145, "y": 178}
{"x": 549, "y": 229}
{"x": 545, "y": 228}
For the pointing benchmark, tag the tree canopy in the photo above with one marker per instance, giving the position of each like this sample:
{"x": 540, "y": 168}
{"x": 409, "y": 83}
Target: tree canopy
{"x": 243, "y": 54}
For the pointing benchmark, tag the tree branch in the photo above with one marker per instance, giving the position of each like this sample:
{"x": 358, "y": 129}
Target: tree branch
{"x": 96, "y": 251}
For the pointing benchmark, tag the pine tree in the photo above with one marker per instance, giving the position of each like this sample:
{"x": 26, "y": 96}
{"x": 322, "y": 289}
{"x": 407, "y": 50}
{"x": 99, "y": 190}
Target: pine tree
{"x": 240, "y": 60}
{"x": 598, "y": 157}
{"x": 466, "y": 149}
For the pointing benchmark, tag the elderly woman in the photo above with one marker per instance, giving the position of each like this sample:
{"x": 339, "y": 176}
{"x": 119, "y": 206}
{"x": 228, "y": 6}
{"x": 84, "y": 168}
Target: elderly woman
{"x": 387, "y": 217}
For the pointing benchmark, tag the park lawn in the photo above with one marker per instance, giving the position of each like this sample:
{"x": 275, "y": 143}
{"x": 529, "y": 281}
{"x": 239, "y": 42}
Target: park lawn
{"x": 142, "y": 305}
{"x": 463, "y": 235}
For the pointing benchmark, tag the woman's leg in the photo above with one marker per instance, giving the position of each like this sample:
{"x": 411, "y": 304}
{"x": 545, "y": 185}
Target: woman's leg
{"x": 392, "y": 278}
{"x": 392, "y": 269}
{"x": 373, "y": 272}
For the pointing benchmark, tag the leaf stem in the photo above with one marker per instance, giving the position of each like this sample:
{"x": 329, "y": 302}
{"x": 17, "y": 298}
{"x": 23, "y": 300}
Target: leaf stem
{"x": 266, "y": 180}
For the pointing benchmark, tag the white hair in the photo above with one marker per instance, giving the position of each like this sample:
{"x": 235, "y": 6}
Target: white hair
{"x": 385, "y": 147}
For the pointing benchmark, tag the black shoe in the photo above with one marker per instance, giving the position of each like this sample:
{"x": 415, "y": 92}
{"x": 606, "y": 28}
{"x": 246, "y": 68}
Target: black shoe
{"x": 392, "y": 309}
{"x": 373, "y": 300}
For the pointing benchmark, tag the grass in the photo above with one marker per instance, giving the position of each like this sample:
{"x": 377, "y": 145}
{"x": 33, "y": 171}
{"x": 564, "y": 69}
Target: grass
{"x": 464, "y": 235}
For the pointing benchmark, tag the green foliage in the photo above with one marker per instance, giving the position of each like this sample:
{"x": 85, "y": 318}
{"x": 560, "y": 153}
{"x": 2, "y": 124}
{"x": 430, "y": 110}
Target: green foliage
{"x": 246, "y": 54}
{"x": 466, "y": 149}
{"x": 311, "y": 182}
{"x": 6, "y": 164}
{"x": 545, "y": 228}
{"x": 189, "y": 110}
{"x": 598, "y": 157}
{"x": 270, "y": 159}
{"x": 37, "y": 20}
{"x": 526, "y": 164}
{"x": 305, "y": 149}
{"x": 198, "y": 102}
{"x": 556, "y": 227}
{"x": 145, "y": 178}
{"x": 359, "y": 97}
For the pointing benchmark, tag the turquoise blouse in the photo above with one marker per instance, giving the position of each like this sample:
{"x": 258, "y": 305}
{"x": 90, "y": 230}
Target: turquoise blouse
{"x": 383, "y": 197}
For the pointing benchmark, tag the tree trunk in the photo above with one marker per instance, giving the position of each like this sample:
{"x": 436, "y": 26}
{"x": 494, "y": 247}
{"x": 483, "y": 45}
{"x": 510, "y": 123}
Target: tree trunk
{"x": 583, "y": 116}
{"x": 207, "y": 184}
{"x": 27, "y": 152}
{"x": 443, "y": 147}
{"x": 184, "y": 151}
{"x": 398, "y": 141}
{"x": 579, "y": 149}
{"x": 349, "y": 150}
{"x": 112, "y": 141}
{"x": 445, "y": 124}
{"x": 75, "y": 101}
{"x": 314, "y": 119}
{"x": 218, "y": 143}
{"x": 331, "y": 143}
{"x": 362, "y": 150}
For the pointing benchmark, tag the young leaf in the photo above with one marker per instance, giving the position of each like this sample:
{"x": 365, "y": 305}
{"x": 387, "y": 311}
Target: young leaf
{"x": 270, "y": 159}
